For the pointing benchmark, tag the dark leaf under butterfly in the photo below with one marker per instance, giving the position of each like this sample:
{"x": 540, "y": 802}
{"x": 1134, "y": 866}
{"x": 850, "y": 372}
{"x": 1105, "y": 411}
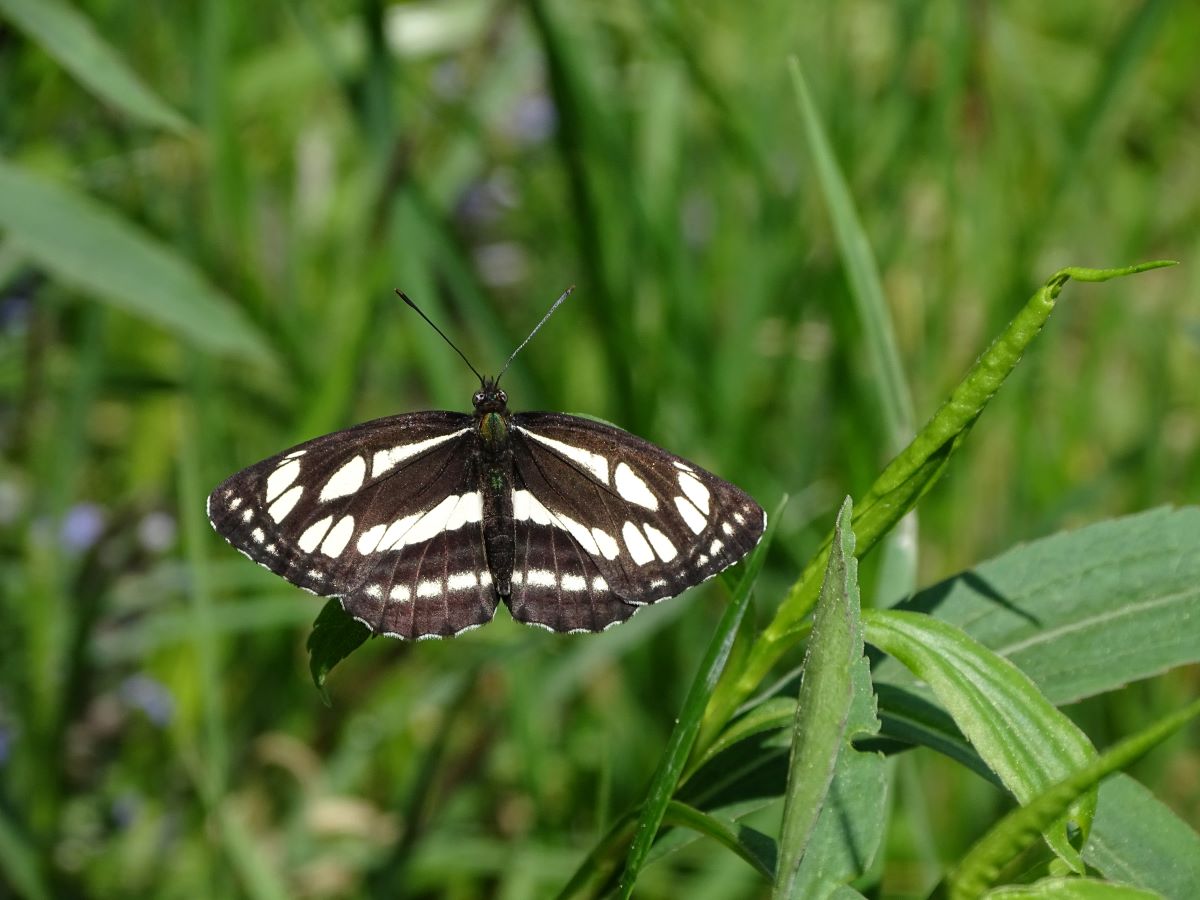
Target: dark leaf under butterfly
{"x": 422, "y": 523}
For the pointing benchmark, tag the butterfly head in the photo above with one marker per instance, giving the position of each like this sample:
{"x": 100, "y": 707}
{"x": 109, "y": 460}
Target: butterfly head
{"x": 490, "y": 398}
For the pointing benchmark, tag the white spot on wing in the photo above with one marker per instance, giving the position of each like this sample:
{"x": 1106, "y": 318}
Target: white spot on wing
{"x": 374, "y": 590}
{"x": 540, "y": 578}
{"x": 593, "y": 462}
{"x": 633, "y": 489}
{"x": 527, "y": 507}
{"x": 662, "y": 545}
{"x": 369, "y": 539}
{"x": 312, "y": 535}
{"x": 695, "y": 490}
{"x": 599, "y": 584}
{"x": 429, "y": 589}
{"x": 693, "y": 517}
{"x": 249, "y": 513}
{"x": 485, "y": 578}
{"x": 281, "y": 507}
{"x": 258, "y": 535}
{"x": 389, "y": 459}
{"x": 284, "y": 475}
{"x": 400, "y": 594}
{"x": 295, "y": 454}
{"x": 739, "y": 518}
{"x": 716, "y": 547}
{"x": 468, "y": 509}
{"x": 339, "y": 536}
{"x": 605, "y": 543}
{"x": 346, "y": 480}
{"x": 461, "y": 581}
{"x": 234, "y": 503}
{"x": 638, "y": 548}
{"x": 572, "y": 582}
{"x": 727, "y": 528}
{"x": 393, "y": 537}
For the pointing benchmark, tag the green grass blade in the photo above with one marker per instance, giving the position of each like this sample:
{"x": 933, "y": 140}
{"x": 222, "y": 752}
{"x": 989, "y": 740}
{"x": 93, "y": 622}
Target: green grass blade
{"x": 335, "y": 635}
{"x": 753, "y": 846}
{"x": 1018, "y": 733}
{"x": 679, "y": 747}
{"x": 823, "y": 709}
{"x": 887, "y": 374}
{"x": 69, "y": 37}
{"x": 1016, "y": 831}
{"x": 19, "y": 865}
{"x": 902, "y": 483}
{"x": 92, "y": 248}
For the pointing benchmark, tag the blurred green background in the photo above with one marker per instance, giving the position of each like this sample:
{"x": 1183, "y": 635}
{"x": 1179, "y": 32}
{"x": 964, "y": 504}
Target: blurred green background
{"x": 193, "y": 281}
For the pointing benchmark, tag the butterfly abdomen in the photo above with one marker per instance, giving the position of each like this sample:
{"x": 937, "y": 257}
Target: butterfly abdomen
{"x": 495, "y": 488}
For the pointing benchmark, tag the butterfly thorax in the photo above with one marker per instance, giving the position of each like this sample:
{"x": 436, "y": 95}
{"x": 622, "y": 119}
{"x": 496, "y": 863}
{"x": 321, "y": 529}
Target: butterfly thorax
{"x": 494, "y": 469}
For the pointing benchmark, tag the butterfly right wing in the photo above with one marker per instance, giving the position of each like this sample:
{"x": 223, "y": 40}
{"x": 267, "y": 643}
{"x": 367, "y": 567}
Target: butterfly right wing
{"x": 384, "y": 515}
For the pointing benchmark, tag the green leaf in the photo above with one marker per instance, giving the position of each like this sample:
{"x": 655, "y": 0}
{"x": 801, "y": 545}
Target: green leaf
{"x": 901, "y": 484}
{"x": 1062, "y": 888}
{"x": 1021, "y": 735}
{"x": 823, "y": 708}
{"x": 1138, "y": 839}
{"x": 335, "y": 635}
{"x": 1082, "y": 612}
{"x": 1016, "y": 831}
{"x": 773, "y": 714}
{"x": 879, "y": 344}
{"x": 92, "y": 248}
{"x": 679, "y": 747}
{"x": 68, "y": 36}
{"x": 751, "y": 845}
{"x": 19, "y": 864}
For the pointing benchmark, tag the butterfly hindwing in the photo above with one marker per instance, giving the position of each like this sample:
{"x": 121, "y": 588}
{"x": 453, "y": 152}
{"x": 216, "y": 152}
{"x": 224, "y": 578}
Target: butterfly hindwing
{"x": 383, "y": 515}
{"x": 607, "y": 522}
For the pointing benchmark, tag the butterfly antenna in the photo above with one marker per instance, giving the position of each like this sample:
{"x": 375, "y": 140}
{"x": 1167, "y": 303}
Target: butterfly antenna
{"x": 549, "y": 313}
{"x": 406, "y": 299}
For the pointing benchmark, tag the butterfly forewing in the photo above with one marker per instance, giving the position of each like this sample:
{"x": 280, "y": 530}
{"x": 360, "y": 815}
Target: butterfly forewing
{"x": 384, "y": 515}
{"x": 607, "y": 522}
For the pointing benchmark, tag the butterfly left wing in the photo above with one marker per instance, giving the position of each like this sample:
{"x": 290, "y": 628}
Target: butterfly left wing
{"x": 606, "y": 522}
{"x": 384, "y": 515}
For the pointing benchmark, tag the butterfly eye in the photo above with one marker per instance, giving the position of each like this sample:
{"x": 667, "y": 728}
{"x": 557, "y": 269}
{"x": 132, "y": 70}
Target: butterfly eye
{"x": 503, "y": 397}
{"x": 478, "y": 397}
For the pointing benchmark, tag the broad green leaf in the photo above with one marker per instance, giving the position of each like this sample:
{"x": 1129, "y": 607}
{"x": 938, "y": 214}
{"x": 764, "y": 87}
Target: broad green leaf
{"x": 1021, "y": 735}
{"x": 1071, "y": 889}
{"x": 901, "y": 484}
{"x": 773, "y": 714}
{"x": 679, "y": 747}
{"x": 92, "y": 248}
{"x": 1138, "y": 839}
{"x": 823, "y": 708}
{"x": 1013, "y": 834}
{"x": 1086, "y": 611}
{"x": 335, "y": 635}
{"x": 69, "y": 37}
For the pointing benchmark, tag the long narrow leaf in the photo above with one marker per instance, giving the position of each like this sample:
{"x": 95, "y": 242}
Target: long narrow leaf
{"x": 823, "y": 708}
{"x": 70, "y": 38}
{"x": 1021, "y": 735}
{"x": 96, "y": 251}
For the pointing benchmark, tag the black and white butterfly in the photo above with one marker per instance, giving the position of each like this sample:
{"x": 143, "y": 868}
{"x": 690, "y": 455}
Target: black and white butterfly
{"x": 421, "y": 523}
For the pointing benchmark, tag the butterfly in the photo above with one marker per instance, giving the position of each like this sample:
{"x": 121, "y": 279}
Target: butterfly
{"x": 423, "y": 523}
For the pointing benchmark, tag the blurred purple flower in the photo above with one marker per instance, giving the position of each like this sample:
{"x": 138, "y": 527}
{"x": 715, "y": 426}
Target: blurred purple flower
{"x": 150, "y": 696}
{"x": 156, "y": 531}
{"x": 82, "y": 526}
{"x": 534, "y": 119}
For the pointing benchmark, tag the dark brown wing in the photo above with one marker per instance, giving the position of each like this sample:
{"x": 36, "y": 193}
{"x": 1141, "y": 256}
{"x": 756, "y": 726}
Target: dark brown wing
{"x": 607, "y": 522}
{"x": 384, "y": 515}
